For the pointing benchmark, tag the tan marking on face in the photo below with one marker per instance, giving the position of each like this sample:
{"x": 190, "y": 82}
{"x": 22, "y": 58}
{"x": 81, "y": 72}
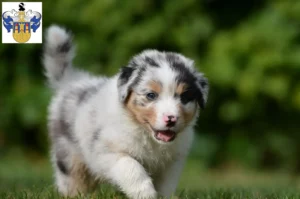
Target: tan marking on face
{"x": 187, "y": 115}
{"x": 142, "y": 114}
{"x": 181, "y": 87}
{"x": 155, "y": 86}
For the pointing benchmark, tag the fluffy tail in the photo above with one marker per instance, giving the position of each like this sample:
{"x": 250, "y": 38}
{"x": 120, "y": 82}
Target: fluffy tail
{"x": 58, "y": 56}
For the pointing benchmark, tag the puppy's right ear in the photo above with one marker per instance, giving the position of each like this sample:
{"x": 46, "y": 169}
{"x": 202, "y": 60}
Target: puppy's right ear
{"x": 203, "y": 88}
{"x": 125, "y": 80}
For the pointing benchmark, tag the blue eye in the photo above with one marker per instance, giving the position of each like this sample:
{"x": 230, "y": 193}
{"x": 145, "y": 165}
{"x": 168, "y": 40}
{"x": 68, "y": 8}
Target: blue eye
{"x": 151, "y": 96}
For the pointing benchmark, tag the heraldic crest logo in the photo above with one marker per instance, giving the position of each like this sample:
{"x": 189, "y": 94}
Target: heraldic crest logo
{"x": 24, "y": 25}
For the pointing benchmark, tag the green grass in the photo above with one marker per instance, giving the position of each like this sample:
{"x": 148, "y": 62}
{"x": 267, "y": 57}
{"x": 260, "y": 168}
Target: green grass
{"x": 48, "y": 192}
{"x": 102, "y": 193}
{"x": 26, "y": 179}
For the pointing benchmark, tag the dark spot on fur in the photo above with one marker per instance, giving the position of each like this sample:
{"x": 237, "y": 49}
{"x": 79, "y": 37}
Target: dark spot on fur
{"x": 60, "y": 49}
{"x": 62, "y": 123}
{"x": 96, "y": 135}
{"x": 133, "y": 64}
{"x": 125, "y": 75}
{"x": 95, "y": 138}
{"x": 137, "y": 80}
{"x": 184, "y": 74}
{"x": 62, "y": 167}
{"x": 65, "y": 47}
{"x": 151, "y": 62}
{"x": 86, "y": 94}
{"x": 59, "y": 128}
{"x": 65, "y": 128}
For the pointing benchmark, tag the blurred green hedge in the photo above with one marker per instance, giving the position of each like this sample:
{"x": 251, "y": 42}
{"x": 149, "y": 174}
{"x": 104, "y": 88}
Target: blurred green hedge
{"x": 249, "y": 50}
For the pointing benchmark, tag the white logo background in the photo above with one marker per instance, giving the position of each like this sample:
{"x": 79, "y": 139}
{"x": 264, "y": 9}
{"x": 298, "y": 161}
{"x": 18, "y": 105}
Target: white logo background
{"x": 36, "y": 37}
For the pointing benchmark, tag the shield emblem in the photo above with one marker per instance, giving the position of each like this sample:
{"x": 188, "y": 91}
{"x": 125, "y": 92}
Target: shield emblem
{"x": 21, "y": 31}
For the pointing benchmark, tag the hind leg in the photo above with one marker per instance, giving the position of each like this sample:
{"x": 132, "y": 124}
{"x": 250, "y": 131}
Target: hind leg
{"x": 78, "y": 181}
{"x": 71, "y": 174}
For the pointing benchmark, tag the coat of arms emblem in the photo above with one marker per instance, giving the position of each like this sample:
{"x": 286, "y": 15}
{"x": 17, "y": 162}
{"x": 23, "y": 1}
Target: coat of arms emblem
{"x": 22, "y": 23}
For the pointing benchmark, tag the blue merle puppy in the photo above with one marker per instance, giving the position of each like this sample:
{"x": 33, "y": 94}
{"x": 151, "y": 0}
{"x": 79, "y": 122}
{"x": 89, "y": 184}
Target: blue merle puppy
{"x": 132, "y": 130}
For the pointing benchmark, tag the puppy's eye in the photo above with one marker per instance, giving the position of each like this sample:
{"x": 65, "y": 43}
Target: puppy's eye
{"x": 151, "y": 96}
{"x": 187, "y": 96}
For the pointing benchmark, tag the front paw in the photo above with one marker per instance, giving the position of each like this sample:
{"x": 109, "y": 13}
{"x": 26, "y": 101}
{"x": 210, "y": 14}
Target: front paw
{"x": 145, "y": 190}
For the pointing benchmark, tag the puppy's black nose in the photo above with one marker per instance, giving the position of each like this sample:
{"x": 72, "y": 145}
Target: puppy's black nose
{"x": 170, "y": 120}
{"x": 171, "y": 117}
{"x": 170, "y": 123}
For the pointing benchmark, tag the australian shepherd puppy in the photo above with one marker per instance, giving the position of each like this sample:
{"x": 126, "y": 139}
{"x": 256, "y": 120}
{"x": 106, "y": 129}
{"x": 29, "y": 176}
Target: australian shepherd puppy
{"x": 132, "y": 130}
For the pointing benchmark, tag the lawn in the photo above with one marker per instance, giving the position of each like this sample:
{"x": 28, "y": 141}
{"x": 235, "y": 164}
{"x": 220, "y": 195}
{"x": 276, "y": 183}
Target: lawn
{"x": 31, "y": 178}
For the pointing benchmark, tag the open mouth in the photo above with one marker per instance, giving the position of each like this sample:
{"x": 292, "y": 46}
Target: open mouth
{"x": 165, "y": 136}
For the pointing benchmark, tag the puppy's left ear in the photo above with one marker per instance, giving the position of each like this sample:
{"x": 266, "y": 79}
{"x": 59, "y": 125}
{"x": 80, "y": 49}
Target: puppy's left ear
{"x": 203, "y": 87}
{"x": 125, "y": 80}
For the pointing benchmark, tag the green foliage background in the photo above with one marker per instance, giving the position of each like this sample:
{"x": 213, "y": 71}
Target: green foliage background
{"x": 249, "y": 50}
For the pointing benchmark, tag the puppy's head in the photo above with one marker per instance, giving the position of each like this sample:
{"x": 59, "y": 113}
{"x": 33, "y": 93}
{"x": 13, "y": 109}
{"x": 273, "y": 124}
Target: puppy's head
{"x": 163, "y": 92}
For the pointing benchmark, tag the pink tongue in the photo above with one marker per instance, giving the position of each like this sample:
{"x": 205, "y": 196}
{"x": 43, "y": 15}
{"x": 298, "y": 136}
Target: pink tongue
{"x": 165, "y": 136}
